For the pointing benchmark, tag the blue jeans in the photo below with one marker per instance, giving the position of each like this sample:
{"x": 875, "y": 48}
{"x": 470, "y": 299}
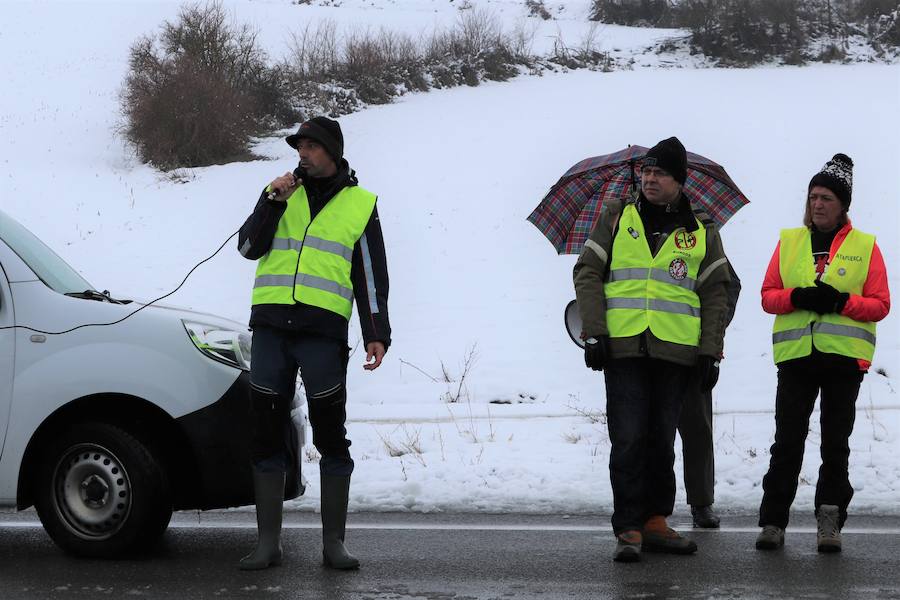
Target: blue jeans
{"x": 643, "y": 403}
{"x": 322, "y": 362}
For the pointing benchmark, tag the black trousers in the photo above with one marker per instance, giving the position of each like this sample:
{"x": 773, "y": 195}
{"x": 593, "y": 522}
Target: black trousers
{"x": 695, "y": 426}
{"x": 322, "y": 362}
{"x": 799, "y": 382}
{"x": 643, "y": 402}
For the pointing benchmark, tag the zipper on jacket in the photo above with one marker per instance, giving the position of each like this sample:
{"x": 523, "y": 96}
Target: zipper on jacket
{"x": 297, "y": 268}
{"x": 662, "y": 240}
{"x": 303, "y": 243}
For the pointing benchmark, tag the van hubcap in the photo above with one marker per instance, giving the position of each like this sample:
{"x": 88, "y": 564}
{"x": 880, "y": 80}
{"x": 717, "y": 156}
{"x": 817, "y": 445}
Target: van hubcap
{"x": 91, "y": 491}
{"x": 94, "y": 492}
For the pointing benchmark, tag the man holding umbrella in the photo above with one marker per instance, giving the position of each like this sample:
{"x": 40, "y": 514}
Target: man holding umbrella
{"x": 651, "y": 284}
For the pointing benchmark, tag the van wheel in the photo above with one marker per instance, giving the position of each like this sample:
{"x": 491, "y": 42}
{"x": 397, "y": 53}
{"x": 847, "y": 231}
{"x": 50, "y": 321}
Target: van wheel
{"x": 100, "y": 492}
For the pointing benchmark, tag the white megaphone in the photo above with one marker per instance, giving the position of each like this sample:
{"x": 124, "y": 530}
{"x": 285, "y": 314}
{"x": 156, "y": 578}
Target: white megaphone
{"x": 573, "y": 323}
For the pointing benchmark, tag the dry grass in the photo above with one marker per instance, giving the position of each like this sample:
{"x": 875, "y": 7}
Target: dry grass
{"x": 403, "y": 441}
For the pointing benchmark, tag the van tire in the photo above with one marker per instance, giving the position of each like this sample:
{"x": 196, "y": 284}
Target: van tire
{"x": 100, "y": 492}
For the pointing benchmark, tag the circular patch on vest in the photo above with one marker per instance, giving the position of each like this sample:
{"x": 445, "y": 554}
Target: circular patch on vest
{"x": 678, "y": 269}
{"x": 685, "y": 240}
{"x": 842, "y": 271}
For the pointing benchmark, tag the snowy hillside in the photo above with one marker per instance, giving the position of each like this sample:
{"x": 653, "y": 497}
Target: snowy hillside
{"x": 457, "y": 172}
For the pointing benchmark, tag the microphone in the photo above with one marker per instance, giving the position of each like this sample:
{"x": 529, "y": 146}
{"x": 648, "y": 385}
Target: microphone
{"x": 274, "y": 192}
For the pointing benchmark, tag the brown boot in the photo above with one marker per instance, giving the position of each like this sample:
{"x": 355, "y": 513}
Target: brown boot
{"x": 659, "y": 537}
{"x": 628, "y": 546}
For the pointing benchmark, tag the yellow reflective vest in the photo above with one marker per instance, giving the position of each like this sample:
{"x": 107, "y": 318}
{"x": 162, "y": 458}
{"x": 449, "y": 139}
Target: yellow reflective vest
{"x": 795, "y": 333}
{"x": 654, "y": 292}
{"x": 310, "y": 259}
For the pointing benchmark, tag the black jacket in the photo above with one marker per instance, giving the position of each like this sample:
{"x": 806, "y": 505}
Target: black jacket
{"x": 368, "y": 272}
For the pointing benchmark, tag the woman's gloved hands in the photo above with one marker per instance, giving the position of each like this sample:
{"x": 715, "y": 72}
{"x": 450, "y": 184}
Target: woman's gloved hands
{"x": 820, "y": 298}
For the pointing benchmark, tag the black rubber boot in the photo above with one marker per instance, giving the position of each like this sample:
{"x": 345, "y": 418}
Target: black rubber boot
{"x": 335, "y": 495}
{"x": 269, "y": 491}
{"x": 704, "y": 517}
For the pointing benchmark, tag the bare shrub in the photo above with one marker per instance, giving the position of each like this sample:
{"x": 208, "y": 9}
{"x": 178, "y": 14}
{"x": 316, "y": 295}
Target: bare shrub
{"x": 746, "y": 32}
{"x": 408, "y": 444}
{"x": 884, "y": 29}
{"x": 367, "y": 65}
{"x": 196, "y": 93}
{"x": 477, "y": 31}
{"x": 521, "y": 40}
{"x": 199, "y": 90}
{"x": 588, "y": 51}
{"x": 641, "y": 13}
{"x": 461, "y": 391}
{"x": 499, "y": 64}
{"x": 572, "y": 437}
{"x": 536, "y": 8}
{"x": 593, "y": 416}
{"x": 314, "y": 51}
{"x": 832, "y": 53}
{"x": 586, "y": 54}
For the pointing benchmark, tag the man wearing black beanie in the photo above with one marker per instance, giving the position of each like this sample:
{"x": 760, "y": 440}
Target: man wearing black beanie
{"x": 651, "y": 285}
{"x": 317, "y": 238}
{"x": 323, "y": 130}
{"x": 695, "y": 425}
{"x": 670, "y": 156}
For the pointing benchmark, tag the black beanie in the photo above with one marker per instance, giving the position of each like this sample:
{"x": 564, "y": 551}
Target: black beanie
{"x": 670, "y": 156}
{"x": 837, "y": 176}
{"x": 323, "y": 130}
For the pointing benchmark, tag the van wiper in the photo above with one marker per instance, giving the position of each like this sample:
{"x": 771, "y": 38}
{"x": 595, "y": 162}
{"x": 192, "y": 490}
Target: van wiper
{"x": 95, "y": 295}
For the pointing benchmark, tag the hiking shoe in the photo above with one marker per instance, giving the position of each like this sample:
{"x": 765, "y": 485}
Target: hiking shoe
{"x": 628, "y": 546}
{"x": 770, "y": 538}
{"x": 704, "y": 517}
{"x": 659, "y": 537}
{"x": 828, "y": 537}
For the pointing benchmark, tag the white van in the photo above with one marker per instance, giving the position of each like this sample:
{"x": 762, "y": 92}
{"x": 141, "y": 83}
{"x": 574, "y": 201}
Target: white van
{"x": 108, "y": 428}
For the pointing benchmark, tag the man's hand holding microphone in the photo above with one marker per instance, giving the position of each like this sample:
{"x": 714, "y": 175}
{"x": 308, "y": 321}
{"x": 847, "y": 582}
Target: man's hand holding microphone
{"x": 282, "y": 187}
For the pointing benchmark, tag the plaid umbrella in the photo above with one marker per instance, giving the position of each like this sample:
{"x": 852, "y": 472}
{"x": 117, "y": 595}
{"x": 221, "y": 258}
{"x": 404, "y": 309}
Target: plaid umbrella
{"x": 571, "y": 208}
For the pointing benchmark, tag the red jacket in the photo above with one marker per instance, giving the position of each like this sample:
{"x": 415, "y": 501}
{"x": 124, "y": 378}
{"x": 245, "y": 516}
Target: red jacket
{"x": 873, "y": 305}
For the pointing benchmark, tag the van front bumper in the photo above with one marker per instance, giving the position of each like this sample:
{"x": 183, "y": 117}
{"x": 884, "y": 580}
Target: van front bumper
{"x": 219, "y": 438}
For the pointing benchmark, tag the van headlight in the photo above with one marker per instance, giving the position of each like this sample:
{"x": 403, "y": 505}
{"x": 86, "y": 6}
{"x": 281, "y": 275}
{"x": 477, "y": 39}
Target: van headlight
{"x": 224, "y": 345}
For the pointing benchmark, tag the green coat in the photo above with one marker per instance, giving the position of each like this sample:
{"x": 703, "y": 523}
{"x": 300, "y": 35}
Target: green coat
{"x": 590, "y": 274}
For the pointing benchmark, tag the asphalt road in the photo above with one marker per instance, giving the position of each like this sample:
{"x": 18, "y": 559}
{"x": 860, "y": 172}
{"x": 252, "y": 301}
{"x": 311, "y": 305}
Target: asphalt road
{"x": 456, "y": 557}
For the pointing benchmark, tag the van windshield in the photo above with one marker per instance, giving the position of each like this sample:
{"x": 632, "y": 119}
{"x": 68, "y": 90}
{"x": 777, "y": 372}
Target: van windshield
{"x": 45, "y": 263}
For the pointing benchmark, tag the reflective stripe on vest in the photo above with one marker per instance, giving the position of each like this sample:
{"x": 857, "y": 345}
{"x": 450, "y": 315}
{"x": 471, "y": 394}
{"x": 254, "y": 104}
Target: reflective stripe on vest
{"x": 310, "y": 260}
{"x": 657, "y": 293}
{"x": 795, "y": 333}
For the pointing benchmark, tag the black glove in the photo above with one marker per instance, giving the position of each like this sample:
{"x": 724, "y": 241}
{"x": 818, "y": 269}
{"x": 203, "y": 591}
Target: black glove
{"x": 595, "y": 353}
{"x": 707, "y": 372}
{"x": 821, "y": 298}
{"x": 832, "y": 299}
{"x": 805, "y": 298}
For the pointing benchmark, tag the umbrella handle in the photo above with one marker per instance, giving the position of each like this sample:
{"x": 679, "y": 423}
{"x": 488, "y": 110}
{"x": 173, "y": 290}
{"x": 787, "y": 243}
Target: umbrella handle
{"x": 634, "y": 188}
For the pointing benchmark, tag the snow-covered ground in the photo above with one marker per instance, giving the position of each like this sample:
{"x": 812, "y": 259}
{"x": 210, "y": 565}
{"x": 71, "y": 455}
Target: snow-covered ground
{"x": 457, "y": 172}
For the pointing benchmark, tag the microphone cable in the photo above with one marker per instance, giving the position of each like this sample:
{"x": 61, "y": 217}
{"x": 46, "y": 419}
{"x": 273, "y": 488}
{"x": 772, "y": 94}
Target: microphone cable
{"x": 132, "y": 313}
